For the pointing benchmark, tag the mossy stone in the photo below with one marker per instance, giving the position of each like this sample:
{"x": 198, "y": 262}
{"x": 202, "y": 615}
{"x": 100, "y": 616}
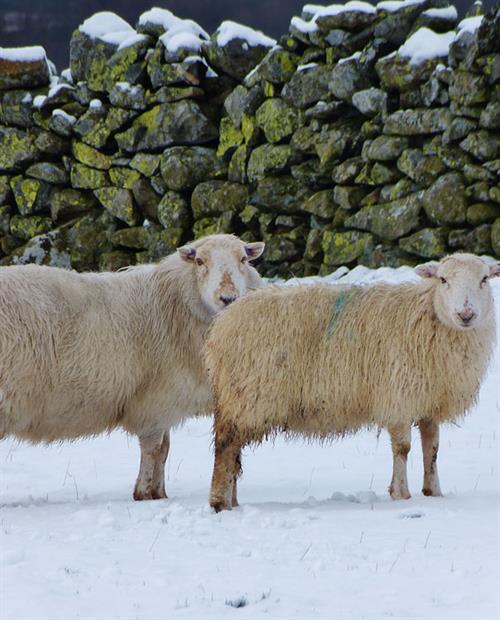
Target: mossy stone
{"x": 482, "y": 213}
{"x": 416, "y": 122}
{"x": 85, "y": 177}
{"x": 146, "y": 198}
{"x": 398, "y": 73}
{"x": 16, "y": 108}
{"x": 237, "y": 170}
{"x": 241, "y": 101}
{"x": 349, "y": 196}
{"x": 96, "y": 127}
{"x": 5, "y": 190}
{"x": 482, "y": 144}
{"x": 340, "y": 248}
{"x": 90, "y": 156}
{"x": 490, "y": 116}
{"x": 307, "y": 86}
{"x": 51, "y": 144}
{"x": 49, "y": 172}
{"x": 445, "y": 201}
{"x": 123, "y": 177}
{"x": 277, "y": 66}
{"x": 466, "y": 88}
{"x": 476, "y": 241}
{"x": 269, "y": 159}
{"x": 115, "y": 260}
{"x": 68, "y": 202}
{"x": 45, "y": 249}
{"x": 282, "y": 194}
{"x": 235, "y": 58}
{"x": 183, "y": 167}
{"x": 119, "y": 202}
{"x": 173, "y": 211}
{"x": 88, "y": 238}
{"x": 18, "y": 149}
{"x": 167, "y": 124}
{"x": 322, "y": 204}
{"x": 135, "y": 237}
{"x": 427, "y": 243}
{"x": 389, "y": 220}
{"x": 30, "y": 194}
{"x": 146, "y": 163}
{"x": 27, "y": 227}
{"x": 217, "y": 197}
{"x": 213, "y": 225}
{"x": 277, "y": 119}
{"x": 347, "y": 170}
{"x": 385, "y": 148}
{"x": 495, "y": 237}
{"x": 230, "y": 137}
{"x": 347, "y": 78}
{"x": 314, "y": 249}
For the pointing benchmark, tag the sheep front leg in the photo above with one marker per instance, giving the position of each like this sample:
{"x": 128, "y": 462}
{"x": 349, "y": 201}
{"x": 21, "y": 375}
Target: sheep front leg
{"x": 401, "y": 443}
{"x": 153, "y": 447}
{"x": 159, "y": 468}
{"x": 429, "y": 434}
{"x": 227, "y": 467}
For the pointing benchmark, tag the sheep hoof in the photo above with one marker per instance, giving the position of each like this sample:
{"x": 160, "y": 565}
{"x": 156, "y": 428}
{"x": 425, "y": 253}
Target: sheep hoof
{"x": 430, "y": 493}
{"x": 220, "y": 506}
{"x": 140, "y": 496}
{"x": 397, "y": 495}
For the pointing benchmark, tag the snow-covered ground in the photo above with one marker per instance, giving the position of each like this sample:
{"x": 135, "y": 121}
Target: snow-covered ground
{"x": 316, "y": 535}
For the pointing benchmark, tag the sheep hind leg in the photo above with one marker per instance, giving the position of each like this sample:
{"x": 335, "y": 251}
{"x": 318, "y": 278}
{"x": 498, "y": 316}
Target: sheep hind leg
{"x": 401, "y": 443}
{"x": 158, "y": 490}
{"x": 227, "y": 467}
{"x": 429, "y": 434}
{"x": 151, "y": 451}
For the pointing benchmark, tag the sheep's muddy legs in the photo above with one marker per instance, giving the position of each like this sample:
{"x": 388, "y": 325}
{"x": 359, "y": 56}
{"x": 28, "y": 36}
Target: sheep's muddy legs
{"x": 429, "y": 433}
{"x": 154, "y": 450}
{"x": 227, "y": 468}
{"x": 401, "y": 443}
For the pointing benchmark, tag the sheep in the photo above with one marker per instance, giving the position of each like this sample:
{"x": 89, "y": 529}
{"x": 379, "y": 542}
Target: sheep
{"x": 321, "y": 361}
{"x": 85, "y": 353}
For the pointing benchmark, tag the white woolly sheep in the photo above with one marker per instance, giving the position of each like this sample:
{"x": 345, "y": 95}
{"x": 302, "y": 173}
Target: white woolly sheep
{"x": 81, "y": 354}
{"x": 322, "y": 361}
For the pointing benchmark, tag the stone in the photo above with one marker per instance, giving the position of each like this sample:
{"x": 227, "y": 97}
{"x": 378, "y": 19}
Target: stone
{"x": 167, "y": 124}
{"x": 18, "y": 72}
{"x": 96, "y": 127}
{"x": 30, "y": 194}
{"x": 235, "y": 57}
{"x": 89, "y": 156}
{"x": 386, "y": 148}
{"x": 51, "y": 144}
{"x": 16, "y": 108}
{"x": 479, "y": 191}
{"x": 390, "y": 220}
{"x": 277, "y": 66}
{"x": 283, "y": 194}
{"x": 237, "y": 170}
{"x": 5, "y": 191}
{"x": 184, "y": 167}
{"x": 490, "y": 116}
{"x": 402, "y": 188}
{"x": 476, "y": 241}
{"x": 121, "y": 176}
{"x": 65, "y": 203}
{"x": 427, "y": 243}
{"x": 135, "y": 237}
{"x": 421, "y": 169}
{"x": 482, "y": 145}
{"x": 348, "y": 77}
{"x": 124, "y": 95}
{"x": 18, "y": 149}
{"x": 48, "y": 171}
{"x": 88, "y": 238}
{"x": 398, "y": 73}
{"x": 230, "y": 137}
{"x": 84, "y": 177}
{"x": 468, "y": 89}
{"x": 348, "y": 197}
{"x": 482, "y": 213}
{"x": 146, "y": 198}
{"x": 307, "y": 86}
{"x": 61, "y": 123}
{"x": 434, "y": 93}
{"x": 348, "y": 170}
{"x": 27, "y": 227}
{"x": 173, "y": 212}
{"x": 45, "y": 249}
{"x": 304, "y": 140}
{"x": 269, "y": 159}
{"x": 241, "y": 101}
{"x": 322, "y": 204}
{"x": 370, "y": 101}
{"x": 218, "y": 197}
{"x": 458, "y": 129}
{"x": 167, "y": 94}
{"x": 341, "y": 248}
{"x": 115, "y": 260}
{"x": 312, "y": 173}
{"x": 277, "y": 119}
{"x": 445, "y": 201}
{"x": 495, "y": 237}
{"x": 346, "y": 19}
{"x": 415, "y": 122}
{"x": 119, "y": 202}
{"x": 213, "y": 225}
{"x": 145, "y": 163}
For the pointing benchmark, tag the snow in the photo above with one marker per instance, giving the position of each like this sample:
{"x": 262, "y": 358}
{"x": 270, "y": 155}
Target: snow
{"x": 354, "y": 56}
{"x": 95, "y": 104}
{"x": 425, "y": 44}
{"x": 104, "y": 23}
{"x": 67, "y": 117}
{"x": 39, "y": 100}
{"x": 66, "y": 74}
{"x": 195, "y": 58}
{"x": 469, "y": 24}
{"x": 35, "y": 53}
{"x": 56, "y": 88}
{"x": 28, "y": 98}
{"x": 448, "y": 12}
{"x": 132, "y": 40}
{"x": 306, "y": 67}
{"x": 391, "y": 6}
{"x": 303, "y": 26}
{"x": 229, "y": 30}
{"x": 159, "y": 17}
{"x": 334, "y": 9}
{"x": 316, "y": 535}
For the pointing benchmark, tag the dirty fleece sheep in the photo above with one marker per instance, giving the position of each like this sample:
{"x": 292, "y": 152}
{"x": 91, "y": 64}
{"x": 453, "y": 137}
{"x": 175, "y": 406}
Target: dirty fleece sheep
{"x": 81, "y": 354}
{"x": 322, "y": 361}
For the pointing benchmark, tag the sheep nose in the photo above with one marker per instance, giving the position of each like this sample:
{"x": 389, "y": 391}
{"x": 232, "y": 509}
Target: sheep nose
{"x": 227, "y": 299}
{"x": 466, "y": 316}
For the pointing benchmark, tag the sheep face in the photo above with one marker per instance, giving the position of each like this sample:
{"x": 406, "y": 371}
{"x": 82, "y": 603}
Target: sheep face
{"x": 222, "y": 269}
{"x": 462, "y": 295}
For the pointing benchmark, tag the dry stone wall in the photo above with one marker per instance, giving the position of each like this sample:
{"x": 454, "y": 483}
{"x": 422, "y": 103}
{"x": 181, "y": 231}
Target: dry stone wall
{"x": 365, "y": 135}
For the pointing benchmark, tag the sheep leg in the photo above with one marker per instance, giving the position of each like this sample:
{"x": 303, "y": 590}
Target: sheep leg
{"x": 151, "y": 453}
{"x": 401, "y": 443}
{"x": 159, "y": 468}
{"x": 227, "y": 467}
{"x": 429, "y": 434}
{"x": 236, "y": 474}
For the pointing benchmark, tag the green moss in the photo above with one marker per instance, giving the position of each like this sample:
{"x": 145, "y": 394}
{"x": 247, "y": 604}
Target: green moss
{"x": 29, "y": 227}
{"x": 230, "y": 137}
{"x": 123, "y": 177}
{"x": 119, "y": 202}
{"x": 277, "y": 119}
{"x": 341, "y": 248}
{"x": 84, "y": 177}
{"x": 89, "y": 156}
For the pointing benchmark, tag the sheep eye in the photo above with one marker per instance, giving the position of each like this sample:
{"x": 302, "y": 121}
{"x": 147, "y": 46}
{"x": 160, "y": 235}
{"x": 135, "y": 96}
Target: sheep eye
{"x": 443, "y": 280}
{"x": 484, "y": 280}
{"x": 199, "y": 262}
{"x": 243, "y": 259}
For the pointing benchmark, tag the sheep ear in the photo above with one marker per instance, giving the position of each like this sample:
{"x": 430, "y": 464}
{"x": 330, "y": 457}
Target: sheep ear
{"x": 427, "y": 270}
{"x": 495, "y": 270}
{"x": 254, "y": 250}
{"x": 187, "y": 252}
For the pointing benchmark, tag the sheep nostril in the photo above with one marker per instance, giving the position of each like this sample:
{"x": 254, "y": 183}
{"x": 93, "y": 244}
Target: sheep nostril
{"x": 227, "y": 299}
{"x": 466, "y": 316}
